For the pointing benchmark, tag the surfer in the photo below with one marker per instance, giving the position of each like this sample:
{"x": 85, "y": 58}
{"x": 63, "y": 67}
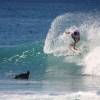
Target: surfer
{"x": 22, "y": 75}
{"x": 75, "y": 36}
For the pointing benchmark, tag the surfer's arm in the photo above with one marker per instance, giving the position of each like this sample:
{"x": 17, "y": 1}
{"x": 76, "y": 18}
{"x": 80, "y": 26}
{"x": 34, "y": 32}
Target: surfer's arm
{"x": 67, "y": 32}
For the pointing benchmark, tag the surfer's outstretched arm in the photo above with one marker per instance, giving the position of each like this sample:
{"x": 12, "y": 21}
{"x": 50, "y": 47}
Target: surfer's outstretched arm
{"x": 67, "y": 32}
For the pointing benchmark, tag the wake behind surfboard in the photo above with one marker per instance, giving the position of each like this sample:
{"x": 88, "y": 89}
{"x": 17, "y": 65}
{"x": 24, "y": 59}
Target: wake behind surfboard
{"x": 67, "y": 51}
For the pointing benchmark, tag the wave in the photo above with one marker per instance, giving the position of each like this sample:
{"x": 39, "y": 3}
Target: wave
{"x": 32, "y": 54}
{"x": 21, "y": 53}
{"x": 89, "y": 27}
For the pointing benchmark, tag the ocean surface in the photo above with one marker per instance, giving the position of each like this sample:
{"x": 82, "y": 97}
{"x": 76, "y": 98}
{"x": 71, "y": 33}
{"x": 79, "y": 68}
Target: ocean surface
{"x": 31, "y": 38}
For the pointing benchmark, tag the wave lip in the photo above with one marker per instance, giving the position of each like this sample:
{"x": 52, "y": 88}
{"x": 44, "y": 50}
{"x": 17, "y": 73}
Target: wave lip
{"x": 57, "y": 43}
{"x": 88, "y": 24}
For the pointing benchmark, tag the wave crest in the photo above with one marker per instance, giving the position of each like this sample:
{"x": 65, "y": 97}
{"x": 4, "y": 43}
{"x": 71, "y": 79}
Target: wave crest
{"x": 89, "y": 27}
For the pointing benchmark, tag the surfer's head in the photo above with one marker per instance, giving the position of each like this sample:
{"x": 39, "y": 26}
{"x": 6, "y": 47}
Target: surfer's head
{"x": 76, "y": 33}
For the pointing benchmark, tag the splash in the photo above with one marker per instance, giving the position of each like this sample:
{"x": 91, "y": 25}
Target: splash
{"x": 57, "y": 43}
{"x": 92, "y": 62}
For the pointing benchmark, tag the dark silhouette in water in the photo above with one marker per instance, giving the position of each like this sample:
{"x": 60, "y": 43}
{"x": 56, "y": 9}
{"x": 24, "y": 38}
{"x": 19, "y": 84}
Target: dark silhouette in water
{"x": 23, "y": 75}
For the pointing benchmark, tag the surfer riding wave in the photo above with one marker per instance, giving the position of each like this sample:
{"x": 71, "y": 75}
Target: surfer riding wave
{"x": 75, "y": 34}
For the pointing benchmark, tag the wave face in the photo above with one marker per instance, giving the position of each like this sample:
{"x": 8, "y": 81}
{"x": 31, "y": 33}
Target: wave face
{"x": 89, "y": 27}
{"x": 20, "y": 58}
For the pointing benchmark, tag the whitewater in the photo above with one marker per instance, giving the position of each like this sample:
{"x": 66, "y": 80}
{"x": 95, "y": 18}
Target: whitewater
{"x": 89, "y": 27}
{"x": 73, "y": 96}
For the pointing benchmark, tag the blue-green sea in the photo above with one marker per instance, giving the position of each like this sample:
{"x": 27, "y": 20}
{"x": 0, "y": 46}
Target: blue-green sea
{"x": 32, "y": 38}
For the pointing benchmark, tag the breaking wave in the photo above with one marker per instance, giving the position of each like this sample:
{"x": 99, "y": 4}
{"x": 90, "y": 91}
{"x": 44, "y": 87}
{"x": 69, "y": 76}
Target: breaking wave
{"x": 88, "y": 25}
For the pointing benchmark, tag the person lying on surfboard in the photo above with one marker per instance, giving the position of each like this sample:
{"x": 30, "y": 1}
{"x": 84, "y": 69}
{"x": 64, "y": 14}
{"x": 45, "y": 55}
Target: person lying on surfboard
{"x": 75, "y": 34}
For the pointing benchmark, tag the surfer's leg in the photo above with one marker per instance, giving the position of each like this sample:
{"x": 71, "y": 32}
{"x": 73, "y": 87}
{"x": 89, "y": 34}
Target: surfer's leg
{"x": 76, "y": 40}
{"x": 72, "y": 45}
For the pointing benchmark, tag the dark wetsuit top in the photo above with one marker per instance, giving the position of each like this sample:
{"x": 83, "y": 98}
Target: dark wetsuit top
{"x": 76, "y": 36}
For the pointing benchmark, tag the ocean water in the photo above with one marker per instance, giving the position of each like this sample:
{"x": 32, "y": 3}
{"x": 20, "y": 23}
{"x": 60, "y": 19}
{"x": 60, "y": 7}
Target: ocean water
{"x": 31, "y": 38}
